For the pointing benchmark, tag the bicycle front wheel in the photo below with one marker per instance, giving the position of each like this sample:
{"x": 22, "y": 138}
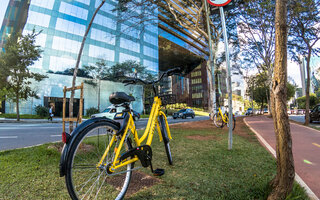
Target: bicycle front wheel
{"x": 165, "y": 138}
{"x": 234, "y": 122}
{"x": 217, "y": 120}
{"x": 84, "y": 178}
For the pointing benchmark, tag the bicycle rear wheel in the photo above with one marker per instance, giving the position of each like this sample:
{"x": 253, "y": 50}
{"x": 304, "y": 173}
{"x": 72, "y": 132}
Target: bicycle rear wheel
{"x": 217, "y": 120}
{"x": 84, "y": 179}
{"x": 165, "y": 138}
{"x": 234, "y": 122}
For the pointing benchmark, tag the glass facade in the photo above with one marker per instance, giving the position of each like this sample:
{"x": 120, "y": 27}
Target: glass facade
{"x": 63, "y": 24}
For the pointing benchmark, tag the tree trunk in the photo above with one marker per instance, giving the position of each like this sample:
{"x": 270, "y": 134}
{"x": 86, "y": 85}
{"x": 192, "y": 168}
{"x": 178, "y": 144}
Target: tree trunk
{"x": 283, "y": 182}
{"x": 78, "y": 63}
{"x": 307, "y": 117}
{"x": 99, "y": 95}
{"x": 17, "y": 104}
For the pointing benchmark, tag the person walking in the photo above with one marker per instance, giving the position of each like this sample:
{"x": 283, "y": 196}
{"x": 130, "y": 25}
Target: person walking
{"x": 50, "y": 114}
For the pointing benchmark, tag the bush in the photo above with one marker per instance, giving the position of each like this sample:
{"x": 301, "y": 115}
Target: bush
{"x": 42, "y": 111}
{"x": 91, "y": 111}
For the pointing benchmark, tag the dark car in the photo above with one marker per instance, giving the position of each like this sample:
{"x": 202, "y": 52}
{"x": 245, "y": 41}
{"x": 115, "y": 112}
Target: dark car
{"x": 183, "y": 113}
{"x": 315, "y": 114}
{"x": 249, "y": 111}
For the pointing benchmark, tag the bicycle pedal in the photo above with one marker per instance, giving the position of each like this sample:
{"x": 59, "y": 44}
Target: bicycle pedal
{"x": 158, "y": 172}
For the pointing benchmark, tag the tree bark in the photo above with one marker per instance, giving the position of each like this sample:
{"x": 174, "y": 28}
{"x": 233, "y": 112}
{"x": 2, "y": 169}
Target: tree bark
{"x": 307, "y": 117}
{"x": 99, "y": 95}
{"x": 283, "y": 182}
{"x": 78, "y": 63}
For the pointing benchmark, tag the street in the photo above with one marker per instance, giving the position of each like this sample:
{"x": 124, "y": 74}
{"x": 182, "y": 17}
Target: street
{"x": 19, "y": 135}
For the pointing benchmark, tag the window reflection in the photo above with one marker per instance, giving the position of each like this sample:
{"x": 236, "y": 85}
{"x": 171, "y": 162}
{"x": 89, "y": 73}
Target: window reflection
{"x": 106, "y": 7}
{"x": 151, "y": 39}
{"x": 102, "y": 36}
{"x": 151, "y": 66}
{"x": 41, "y": 3}
{"x": 72, "y": 10}
{"x": 130, "y": 31}
{"x": 105, "y": 21}
{"x": 124, "y": 57}
{"x": 130, "y": 45}
{"x": 70, "y": 27}
{"x": 100, "y": 52}
{"x": 61, "y": 63}
{"x": 38, "y": 19}
{"x": 64, "y": 44}
{"x": 150, "y": 52}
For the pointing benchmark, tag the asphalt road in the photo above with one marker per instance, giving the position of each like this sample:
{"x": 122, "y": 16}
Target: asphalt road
{"x": 19, "y": 135}
{"x": 300, "y": 118}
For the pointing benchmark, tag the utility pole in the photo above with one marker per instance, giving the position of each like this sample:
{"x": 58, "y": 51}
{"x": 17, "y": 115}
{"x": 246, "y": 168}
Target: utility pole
{"x": 225, "y": 37}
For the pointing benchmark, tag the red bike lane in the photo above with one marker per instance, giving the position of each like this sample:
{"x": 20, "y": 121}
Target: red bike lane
{"x": 306, "y": 149}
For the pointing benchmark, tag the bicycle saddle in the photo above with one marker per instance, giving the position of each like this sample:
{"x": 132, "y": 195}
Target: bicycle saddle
{"x": 120, "y": 97}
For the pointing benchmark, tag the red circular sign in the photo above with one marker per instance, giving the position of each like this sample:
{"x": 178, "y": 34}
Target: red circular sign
{"x": 219, "y": 2}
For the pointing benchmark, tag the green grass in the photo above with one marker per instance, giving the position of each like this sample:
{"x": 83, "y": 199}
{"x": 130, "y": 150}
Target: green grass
{"x": 201, "y": 170}
{"x": 24, "y": 116}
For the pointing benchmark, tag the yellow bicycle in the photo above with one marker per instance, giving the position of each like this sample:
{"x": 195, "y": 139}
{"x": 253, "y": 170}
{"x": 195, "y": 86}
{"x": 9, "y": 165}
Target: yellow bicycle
{"x": 100, "y": 154}
{"x": 220, "y": 119}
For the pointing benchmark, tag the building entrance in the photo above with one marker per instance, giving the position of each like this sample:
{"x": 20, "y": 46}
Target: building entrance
{"x": 57, "y": 104}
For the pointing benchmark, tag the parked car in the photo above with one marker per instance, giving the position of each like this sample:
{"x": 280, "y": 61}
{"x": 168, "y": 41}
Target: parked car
{"x": 249, "y": 111}
{"x": 184, "y": 113}
{"x": 315, "y": 114}
{"x": 265, "y": 110}
{"x": 111, "y": 111}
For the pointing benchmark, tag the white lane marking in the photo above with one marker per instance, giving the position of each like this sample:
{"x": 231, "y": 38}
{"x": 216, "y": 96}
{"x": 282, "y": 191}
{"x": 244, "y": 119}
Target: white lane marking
{"x": 55, "y": 135}
{"x": 8, "y": 137}
{"x": 13, "y": 128}
{"x": 310, "y": 193}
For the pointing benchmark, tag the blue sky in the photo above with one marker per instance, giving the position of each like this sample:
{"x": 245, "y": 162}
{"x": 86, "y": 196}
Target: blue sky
{"x": 3, "y": 8}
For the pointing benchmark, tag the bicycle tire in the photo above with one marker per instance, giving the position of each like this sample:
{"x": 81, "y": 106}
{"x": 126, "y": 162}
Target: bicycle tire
{"x": 82, "y": 151}
{"x": 165, "y": 139}
{"x": 217, "y": 120}
{"x": 234, "y": 122}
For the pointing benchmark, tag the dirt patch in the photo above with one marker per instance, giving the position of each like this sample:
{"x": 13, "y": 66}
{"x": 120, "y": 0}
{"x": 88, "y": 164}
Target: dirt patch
{"x": 138, "y": 182}
{"x": 201, "y": 137}
{"x": 56, "y": 146}
{"x": 206, "y": 124}
{"x": 243, "y": 131}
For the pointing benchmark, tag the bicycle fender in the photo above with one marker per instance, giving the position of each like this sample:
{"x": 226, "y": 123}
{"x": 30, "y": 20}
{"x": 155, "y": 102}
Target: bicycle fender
{"x": 73, "y": 136}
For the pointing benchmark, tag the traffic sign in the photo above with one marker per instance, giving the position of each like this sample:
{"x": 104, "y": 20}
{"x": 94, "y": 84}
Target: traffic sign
{"x": 219, "y": 3}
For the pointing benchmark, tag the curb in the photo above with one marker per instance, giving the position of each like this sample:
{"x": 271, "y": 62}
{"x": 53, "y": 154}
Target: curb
{"x": 273, "y": 152}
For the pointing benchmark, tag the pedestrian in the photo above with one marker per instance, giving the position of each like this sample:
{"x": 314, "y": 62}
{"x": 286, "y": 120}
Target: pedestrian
{"x": 50, "y": 114}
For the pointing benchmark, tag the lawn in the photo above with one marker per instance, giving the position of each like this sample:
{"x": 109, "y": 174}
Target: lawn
{"x": 203, "y": 168}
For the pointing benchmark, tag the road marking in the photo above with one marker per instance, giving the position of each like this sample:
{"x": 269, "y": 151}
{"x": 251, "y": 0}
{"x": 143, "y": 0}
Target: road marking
{"x": 55, "y": 135}
{"x": 307, "y": 162}
{"x": 8, "y": 137}
{"x": 318, "y": 145}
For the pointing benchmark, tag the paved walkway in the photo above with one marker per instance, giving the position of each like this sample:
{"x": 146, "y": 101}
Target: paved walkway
{"x": 306, "y": 149}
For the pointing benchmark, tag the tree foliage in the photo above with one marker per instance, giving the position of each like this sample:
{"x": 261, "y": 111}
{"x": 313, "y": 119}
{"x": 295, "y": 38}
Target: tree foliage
{"x": 304, "y": 35}
{"x": 314, "y": 100}
{"x": 20, "y": 53}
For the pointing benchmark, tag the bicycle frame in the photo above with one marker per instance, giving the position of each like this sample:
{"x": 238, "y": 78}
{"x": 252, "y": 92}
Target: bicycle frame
{"x": 224, "y": 117}
{"x": 148, "y": 133}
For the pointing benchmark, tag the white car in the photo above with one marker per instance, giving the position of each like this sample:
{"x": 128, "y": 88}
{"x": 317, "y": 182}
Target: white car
{"x": 111, "y": 111}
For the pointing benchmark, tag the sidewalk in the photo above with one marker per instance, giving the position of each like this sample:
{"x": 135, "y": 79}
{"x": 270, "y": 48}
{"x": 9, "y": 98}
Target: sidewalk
{"x": 306, "y": 150}
{"x": 31, "y": 121}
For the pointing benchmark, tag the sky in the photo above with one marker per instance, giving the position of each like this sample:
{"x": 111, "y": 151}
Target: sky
{"x": 3, "y": 8}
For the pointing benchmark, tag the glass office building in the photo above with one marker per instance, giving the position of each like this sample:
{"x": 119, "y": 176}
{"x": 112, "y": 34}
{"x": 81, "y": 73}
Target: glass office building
{"x": 62, "y": 24}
